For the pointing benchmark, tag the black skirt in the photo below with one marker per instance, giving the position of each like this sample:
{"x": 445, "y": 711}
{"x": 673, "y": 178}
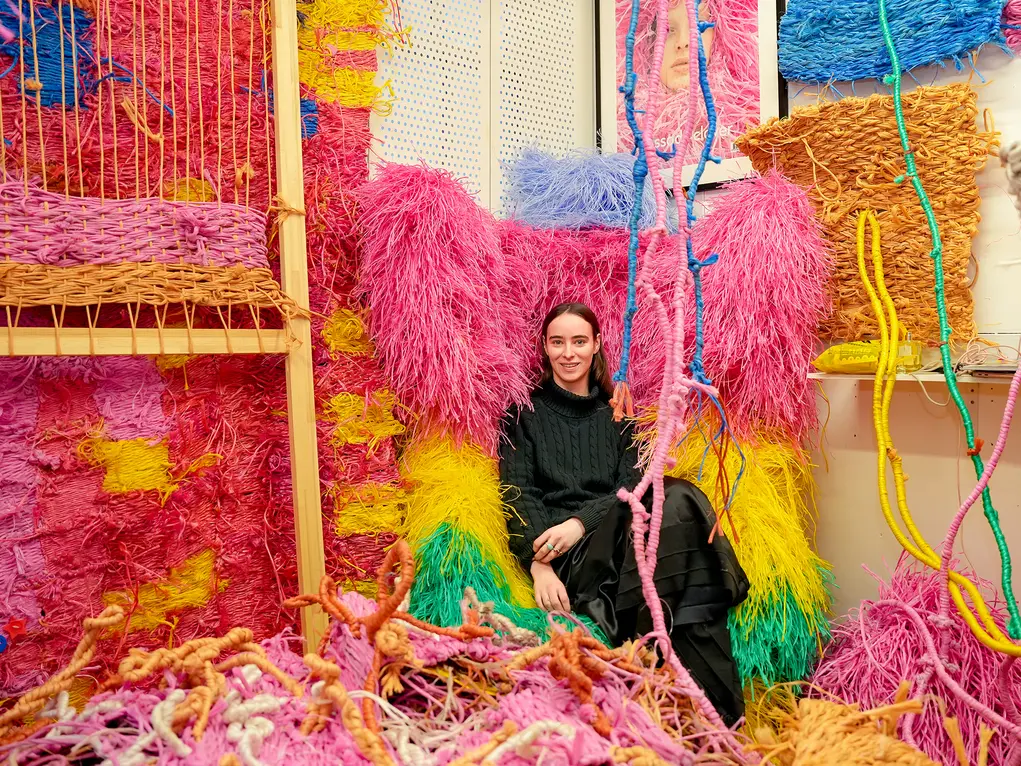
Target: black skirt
{"x": 698, "y": 583}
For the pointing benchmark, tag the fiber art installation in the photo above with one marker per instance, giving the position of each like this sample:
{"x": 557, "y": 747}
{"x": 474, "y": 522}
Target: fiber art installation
{"x": 731, "y": 49}
{"x": 579, "y": 191}
{"x": 779, "y": 630}
{"x": 387, "y": 689}
{"x": 876, "y": 646}
{"x": 815, "y": 149}
{"x": 434, "y": 276}
{"x": 162, "y": 486}
{"x": 953, "y": 584}
{"x": 823, "y": 40}
{"x": 764, "y": 301}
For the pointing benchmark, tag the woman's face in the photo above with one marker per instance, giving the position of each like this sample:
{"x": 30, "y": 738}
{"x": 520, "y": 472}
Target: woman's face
{"x": 674, "y": 72}
{"x": 570, "y": 346}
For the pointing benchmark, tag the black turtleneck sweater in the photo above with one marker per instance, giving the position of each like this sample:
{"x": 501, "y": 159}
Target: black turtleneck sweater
{"x": 566, "y": 458}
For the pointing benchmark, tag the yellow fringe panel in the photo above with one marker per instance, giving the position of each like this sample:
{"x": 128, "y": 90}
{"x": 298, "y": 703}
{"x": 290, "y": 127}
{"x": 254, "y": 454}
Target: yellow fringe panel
{"x": 772, "y": 492}
{"x": 362, "y": 421}
{"x": 344, "y": 333}
{"x": 188, "y": 586}
{"x": 132, "y": 464}
{"x": 369, "y": 509}
{"x": 346, "y": 25}
{"x": 460, "y": 487}
{"x": 355, "y": 88}
{"x": 189, "y": 190}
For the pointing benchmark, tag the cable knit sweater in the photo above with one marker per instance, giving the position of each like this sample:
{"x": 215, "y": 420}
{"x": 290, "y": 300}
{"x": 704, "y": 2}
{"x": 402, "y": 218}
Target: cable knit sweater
{"x": 566, "y": 458}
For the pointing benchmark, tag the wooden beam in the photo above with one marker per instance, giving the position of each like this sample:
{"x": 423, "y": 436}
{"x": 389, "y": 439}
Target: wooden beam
{"x": 301, "y": 410}
{"x": 80, "y": 341}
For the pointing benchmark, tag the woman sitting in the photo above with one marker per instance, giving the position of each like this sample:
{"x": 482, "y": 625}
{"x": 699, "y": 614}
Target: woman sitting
{"x": 562, "y": 464}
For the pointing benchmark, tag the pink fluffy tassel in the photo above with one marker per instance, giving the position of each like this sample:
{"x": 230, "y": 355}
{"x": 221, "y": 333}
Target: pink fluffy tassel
{"x": 449, "y": 334}
{"x": 763, "y": 302}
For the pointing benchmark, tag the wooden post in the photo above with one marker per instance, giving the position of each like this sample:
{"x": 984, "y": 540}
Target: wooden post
{"x": 301, "y": 410}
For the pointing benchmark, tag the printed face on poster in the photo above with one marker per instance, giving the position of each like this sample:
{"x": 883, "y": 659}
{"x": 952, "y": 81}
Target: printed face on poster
{"x": 742, "y": 70}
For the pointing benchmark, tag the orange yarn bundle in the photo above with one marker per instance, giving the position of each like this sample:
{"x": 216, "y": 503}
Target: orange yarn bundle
{"x": 847, "y": 153}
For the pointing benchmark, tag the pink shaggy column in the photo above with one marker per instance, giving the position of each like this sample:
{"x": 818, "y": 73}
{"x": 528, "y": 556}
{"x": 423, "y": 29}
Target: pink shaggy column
{"x": 759, "y": 343}
{"x": 447, "y": 331}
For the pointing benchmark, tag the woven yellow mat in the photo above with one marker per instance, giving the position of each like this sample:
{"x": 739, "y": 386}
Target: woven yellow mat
{"x": 848, "y": 154}
{"x": 151, "y": 284}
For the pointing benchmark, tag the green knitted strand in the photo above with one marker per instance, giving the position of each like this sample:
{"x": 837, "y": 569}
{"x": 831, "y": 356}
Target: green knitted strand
{"x": 1014, "y": 624}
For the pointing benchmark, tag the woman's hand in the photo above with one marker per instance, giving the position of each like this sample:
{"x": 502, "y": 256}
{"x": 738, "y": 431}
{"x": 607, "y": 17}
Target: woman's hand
{"x": 557, "y": 540}
{"x": 550, "y": 593}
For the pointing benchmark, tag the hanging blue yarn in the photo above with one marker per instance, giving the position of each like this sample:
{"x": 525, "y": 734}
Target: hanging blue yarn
{"x": 641, "y": 169}
{"x": 825, "y": 40}
{"x": 45, "y": 42}
{"x": 309, "y": 109}
{"x": 583, "y": 190}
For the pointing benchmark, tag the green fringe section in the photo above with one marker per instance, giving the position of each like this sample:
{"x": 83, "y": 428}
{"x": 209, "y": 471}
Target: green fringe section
{"x": 450, "y": 560}
{"x": 782, "y": 643}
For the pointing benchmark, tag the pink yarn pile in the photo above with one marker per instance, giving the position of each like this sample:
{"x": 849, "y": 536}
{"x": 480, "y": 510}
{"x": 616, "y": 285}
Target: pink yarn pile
{"x": 733, "y": 76}
{"x": 1012, "y": 20}
{"x": 447, "y": 331}
{"x": 426, "y": 724}
{"x": 878, "y": 645}
{"x": 759, "y": 343}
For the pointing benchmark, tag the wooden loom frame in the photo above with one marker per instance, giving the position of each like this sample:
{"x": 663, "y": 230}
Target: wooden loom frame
{"x": 294, "y": 340}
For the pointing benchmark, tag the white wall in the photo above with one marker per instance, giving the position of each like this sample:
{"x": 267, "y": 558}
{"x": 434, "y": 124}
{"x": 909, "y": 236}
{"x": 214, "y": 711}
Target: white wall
{"x": 851, "y": 529}
{"x": 484, "y": 78}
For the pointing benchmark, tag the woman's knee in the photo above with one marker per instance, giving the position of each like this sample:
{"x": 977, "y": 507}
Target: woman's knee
{"x": 684, "y": 502}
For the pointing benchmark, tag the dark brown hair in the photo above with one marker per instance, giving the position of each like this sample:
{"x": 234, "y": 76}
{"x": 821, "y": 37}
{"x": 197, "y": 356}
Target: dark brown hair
{"x": 600, "y": 372}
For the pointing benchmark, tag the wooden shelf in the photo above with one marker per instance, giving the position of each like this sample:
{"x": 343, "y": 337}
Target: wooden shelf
{"x": 79, "y": 341}
{"x": 916, "y": 377}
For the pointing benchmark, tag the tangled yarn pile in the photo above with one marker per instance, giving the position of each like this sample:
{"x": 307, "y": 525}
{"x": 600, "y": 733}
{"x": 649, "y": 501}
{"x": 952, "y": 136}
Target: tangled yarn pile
{"x": 875, "y": 646}
{"x": 386, "y": 689}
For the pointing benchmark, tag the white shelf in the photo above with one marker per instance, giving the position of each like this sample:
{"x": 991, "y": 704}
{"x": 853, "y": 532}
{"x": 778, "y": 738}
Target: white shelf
{"x": 917, "y": 377}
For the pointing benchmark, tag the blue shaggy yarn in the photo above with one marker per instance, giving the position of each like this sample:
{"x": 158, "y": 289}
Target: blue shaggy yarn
{"x": 825, "y": 40}
{"x": 582, "y": 190}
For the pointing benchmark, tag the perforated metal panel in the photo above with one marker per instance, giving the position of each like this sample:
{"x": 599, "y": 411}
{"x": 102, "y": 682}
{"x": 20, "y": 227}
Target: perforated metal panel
{"x": 545, "y": 88}
{"x": 441, "y": 112}
{"x": 485, "y": 78}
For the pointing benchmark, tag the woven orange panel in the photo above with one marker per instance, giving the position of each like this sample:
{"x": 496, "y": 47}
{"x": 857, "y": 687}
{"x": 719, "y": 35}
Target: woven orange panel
{"x": 849, "y": 156}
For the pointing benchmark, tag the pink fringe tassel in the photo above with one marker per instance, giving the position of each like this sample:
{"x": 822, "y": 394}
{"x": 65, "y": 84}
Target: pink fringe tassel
{"x": 449, "y": 335}
{"x": 763, "y": 303}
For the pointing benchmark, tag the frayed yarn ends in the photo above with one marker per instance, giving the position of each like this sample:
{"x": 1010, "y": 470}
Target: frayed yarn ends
{"x": 779, "y": 629}
{"x": 764, "y": 301}
{"x": 457, "y": 489}
{"x": 582, "y": 190}
{"x": 875, "y": 646}
{"x": 821, "y": 42}
{"x": 449, "y": 337}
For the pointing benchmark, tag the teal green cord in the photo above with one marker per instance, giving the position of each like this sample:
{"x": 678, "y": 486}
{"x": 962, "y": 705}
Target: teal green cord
{"x": 1014, "y": 624}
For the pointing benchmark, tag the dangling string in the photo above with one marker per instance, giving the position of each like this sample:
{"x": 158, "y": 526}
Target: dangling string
{"x": 622, "y": 401}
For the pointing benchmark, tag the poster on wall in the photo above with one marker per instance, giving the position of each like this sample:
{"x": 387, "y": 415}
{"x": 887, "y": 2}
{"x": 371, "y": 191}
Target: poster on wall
{"x": 742, "y": 68}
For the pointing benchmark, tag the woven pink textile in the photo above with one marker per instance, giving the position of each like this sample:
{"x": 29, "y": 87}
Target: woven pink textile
{"x": 45, "y": 228}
